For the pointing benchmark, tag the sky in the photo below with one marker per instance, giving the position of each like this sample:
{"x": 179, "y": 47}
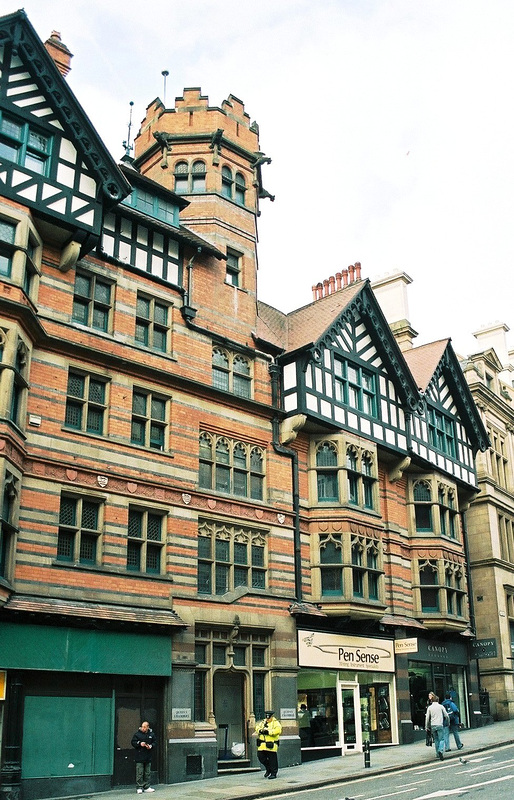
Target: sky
{"x": 390, "y": 125}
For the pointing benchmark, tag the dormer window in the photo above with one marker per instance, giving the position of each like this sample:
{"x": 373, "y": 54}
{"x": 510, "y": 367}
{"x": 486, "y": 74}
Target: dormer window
{"x": 24, "y": 144}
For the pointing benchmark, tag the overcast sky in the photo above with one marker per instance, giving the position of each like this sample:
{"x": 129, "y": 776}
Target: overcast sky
{"x": 390, "y": 126}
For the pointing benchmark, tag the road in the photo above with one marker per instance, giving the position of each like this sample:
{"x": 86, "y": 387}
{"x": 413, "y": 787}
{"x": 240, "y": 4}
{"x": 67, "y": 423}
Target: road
{"x": 487, "y": 775}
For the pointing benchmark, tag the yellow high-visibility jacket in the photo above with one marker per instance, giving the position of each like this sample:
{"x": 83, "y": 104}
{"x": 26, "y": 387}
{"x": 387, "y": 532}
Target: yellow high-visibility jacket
{"x": 268, "y": 740}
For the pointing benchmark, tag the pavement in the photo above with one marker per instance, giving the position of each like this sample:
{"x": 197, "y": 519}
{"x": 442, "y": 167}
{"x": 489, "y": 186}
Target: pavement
{"x": 314, "y": 774}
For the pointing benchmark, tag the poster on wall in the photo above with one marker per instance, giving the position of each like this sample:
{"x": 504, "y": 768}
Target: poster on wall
{"x": 335, "y": 651}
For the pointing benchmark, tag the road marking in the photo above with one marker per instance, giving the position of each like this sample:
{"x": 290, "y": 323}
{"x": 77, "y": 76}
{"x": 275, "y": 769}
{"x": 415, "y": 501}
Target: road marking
{"x": 445, "y": 792}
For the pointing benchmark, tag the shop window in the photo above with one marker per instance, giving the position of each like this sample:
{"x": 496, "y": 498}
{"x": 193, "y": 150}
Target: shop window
{"x": 25, "y": 144}
{"x": 226, "y": 182}
{"x": 200, "y": 713}
{"x": 145, "y": 540}
{"x": 441, "y": 432}
{"x": 230, "y": 557}
{"x": 79, "y": 530}
{"x": 152, "y": 323}
{"x": 331, "y": 565}
{"x": 423, "y": 506}
{"x": 429, "y": 587}
{"x": 231, "y": 372}
{"x": 510, "y": 614}
{"x": 86, "y": 404}
{"x": 231, "y": 467}
{"x": 149, "y": 415}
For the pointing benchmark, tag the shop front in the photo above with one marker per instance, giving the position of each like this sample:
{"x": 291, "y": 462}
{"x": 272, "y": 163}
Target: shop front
{"x": 439, "y": 667}
{"x": 346, "y": 693}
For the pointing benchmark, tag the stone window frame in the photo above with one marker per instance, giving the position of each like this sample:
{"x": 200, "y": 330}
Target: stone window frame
{"x": 154, "y": 426}
{"x": 440, "y": 507}
{"x": 352, "y": 471}
{"x": 243, "y": 463}
{"x": 158, "y": 332}
{"x": 23, "y": 250}
{"x": 74, "y": 538}
{"x": 231, "y": 558}
{"x": 146, "y": 539}
{"x": 232, "y": 372}
{"x": 356, "y": 573}
{"x": 89, "y": 405}
{"x": 256, "y": 670}
{"x": 93, "y": 306}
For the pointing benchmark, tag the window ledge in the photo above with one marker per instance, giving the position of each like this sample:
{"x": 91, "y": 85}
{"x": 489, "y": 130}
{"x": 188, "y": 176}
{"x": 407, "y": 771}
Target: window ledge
{"x": 108, "y": 570}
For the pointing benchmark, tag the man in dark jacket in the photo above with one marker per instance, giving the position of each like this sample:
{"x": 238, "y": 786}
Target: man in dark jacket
{"x": 144, "y": 743}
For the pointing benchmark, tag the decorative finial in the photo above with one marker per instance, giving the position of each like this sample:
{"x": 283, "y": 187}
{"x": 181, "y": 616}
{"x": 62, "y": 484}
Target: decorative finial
{"x": 164, "y": 74}
{"x": 126, "y": 145}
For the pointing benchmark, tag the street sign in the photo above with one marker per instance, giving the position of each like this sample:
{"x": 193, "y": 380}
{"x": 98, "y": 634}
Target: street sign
{"x": 483, "y": 648}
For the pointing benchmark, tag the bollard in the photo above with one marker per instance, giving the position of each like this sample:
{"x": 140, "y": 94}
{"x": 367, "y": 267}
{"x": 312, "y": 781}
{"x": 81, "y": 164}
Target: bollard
{"x": 366, "y": 750}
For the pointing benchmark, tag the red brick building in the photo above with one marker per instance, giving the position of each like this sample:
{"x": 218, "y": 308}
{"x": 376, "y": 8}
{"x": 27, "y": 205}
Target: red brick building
{"x": 209, "y": 507}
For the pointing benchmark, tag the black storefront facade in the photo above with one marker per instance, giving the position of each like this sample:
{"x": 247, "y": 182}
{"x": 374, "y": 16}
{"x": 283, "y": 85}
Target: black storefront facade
{"x": 440, "y": 665}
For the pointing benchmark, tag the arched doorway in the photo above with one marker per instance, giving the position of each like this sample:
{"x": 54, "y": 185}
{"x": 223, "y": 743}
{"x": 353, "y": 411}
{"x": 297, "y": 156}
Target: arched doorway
{"x": 228, "y": 690}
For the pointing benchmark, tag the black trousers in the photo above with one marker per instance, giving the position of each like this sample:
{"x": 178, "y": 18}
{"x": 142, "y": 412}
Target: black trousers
{"x": 269, "y": 760}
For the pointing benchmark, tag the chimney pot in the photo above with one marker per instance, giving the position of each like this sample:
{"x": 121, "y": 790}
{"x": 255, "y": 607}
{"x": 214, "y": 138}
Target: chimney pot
{"x": 59, "y": 53}
{"x": 357, "y": 270}
{"x": 345, "y": 277}
{"x": 351, "y": 273}
{"x": 338, "y": 280}
{"x": 332, "y": 283}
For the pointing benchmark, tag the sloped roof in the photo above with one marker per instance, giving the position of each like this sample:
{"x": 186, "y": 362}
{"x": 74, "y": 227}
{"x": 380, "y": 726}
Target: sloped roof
{"x": 305, "y": 325}
{"x": 423, "y": 361}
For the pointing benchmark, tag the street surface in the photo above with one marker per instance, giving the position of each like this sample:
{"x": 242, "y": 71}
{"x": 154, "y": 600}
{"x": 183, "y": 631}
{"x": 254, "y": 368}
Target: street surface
{"x": 488, "y": 775}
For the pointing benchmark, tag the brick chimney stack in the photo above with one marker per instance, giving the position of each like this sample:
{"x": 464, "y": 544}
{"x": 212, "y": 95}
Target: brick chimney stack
{"x": 59, "y": 53}
{"x": 338, "y": 281}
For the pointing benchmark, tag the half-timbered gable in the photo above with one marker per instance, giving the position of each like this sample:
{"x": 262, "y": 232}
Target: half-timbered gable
{"x": 350, "y": 374}
{"x": 144, "y": 231}
{"x": 51, "y": 158}
{"x": 449, "y": 432}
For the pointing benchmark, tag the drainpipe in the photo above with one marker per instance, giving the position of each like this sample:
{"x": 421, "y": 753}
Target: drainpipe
{"x": 274, "y": 370}
{"x": 188, "y": 312}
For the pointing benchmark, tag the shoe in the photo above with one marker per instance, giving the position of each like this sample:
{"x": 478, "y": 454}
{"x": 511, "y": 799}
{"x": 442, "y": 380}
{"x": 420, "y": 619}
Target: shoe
{"x": 139, "y": 791}
{"x": 449, "y": 750}
{"x": 149, "y": 789}
{"x": 440, "y": 756}
{"x": 460, "y": 747}
{"x": 267, "y": 774}
{"x": 271, "y": 777}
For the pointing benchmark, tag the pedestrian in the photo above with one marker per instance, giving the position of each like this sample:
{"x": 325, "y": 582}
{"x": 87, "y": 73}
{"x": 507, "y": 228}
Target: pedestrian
{"x": 434, "y": 722}
{"x": 304, "y": 726}
{"x": 144, "y": 743}
{"x": 453, "y": 727}
{"x": 268, "y": 732}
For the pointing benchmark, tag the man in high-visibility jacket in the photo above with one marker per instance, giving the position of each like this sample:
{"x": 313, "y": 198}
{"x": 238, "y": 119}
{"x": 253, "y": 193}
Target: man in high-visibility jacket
{"x": 268, "y": 732}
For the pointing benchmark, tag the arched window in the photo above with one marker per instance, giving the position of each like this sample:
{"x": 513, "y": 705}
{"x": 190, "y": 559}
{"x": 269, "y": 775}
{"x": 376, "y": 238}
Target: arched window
{"x": 240, "y": 188}
{"x": 326, "y": 463}
{"x": 198, "y": 177}
{"x": 242, "y": 376}
{"x": 423, "y": 506}
{"x": 220, "y": 369}
{"x": 181, "y": 177}
{"x": 226, "y": 182}
{"x": 331, "y": 559}
{"x": 231, "y": 467}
